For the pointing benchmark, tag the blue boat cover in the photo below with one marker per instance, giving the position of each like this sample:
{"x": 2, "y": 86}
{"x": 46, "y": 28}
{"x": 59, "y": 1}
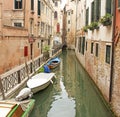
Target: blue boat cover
{"x": 46, "y": 69}
{"x": 54, "y": 59}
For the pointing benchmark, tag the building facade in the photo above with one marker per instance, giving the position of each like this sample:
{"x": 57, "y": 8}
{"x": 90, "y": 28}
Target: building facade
{"x": 70, "y": 23}
{"x": 97, "y": 45}
{"x": 57, "y": 38}
{"x": 115, "y": 76}
{"x": 25, "y": 29}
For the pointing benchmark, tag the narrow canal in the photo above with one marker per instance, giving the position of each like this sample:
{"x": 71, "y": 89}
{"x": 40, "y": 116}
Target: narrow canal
{"x": 72, "y": 94}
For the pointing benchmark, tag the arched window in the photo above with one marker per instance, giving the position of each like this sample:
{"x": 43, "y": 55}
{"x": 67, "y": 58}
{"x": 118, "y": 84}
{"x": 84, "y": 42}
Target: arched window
{"x": 55, "y": 14}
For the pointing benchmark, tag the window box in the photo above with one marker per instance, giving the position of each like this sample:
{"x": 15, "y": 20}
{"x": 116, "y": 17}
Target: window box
{"x": 93, "y": 25}
{"x": 106, "y": 20}
{"x": 85, "y": 28}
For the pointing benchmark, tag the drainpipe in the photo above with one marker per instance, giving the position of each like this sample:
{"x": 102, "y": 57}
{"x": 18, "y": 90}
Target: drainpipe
{"x": 24, "y": 13}
{"x": 112, "y": 58}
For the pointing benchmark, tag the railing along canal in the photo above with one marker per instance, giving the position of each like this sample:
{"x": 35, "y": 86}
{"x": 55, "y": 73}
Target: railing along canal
{"x": 12, "y": 78}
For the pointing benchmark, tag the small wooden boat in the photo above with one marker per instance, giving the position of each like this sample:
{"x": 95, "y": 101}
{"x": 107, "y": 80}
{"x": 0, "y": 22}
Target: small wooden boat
{"x": 12, "y": 108}
{"x": 40, "y": 81}
{"x": 53, "y": 63}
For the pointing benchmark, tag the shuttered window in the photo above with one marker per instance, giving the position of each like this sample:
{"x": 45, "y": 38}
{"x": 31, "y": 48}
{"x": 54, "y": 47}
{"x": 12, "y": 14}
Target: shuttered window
{"x": 108, "y": 6}
{"x": 92, "y": 11}
{"x": 96, "y": 53}
{"x": 108, "y": 54}
{"x": 83, "y": 45}
{"x": 38, "y": 7}
{"x": 97, "y": 9}
{"x": 55, "y": 14}
{"x": 32, "y": 5}
{"x": 118, "y": 3}
{"x": 87, "y": 16}
{"x": 18, "y": 4}
{"x": 58, "y": 27}
{"x": 79, "y": 46}
{"x": 92, "y": 48}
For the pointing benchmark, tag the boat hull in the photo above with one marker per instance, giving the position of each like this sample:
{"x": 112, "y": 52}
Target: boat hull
{"x": 11, "y": 108}
{"x": 53, "y": 63}
{"x": 40, "y": 81}
{"x": 39, "y": 88}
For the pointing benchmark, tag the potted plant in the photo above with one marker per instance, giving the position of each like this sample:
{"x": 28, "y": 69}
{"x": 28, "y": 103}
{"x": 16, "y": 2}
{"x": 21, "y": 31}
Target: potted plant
{"x": 46, "y": 49}
{"x": 106, "y": 20}
{"x": 85, "y": 28}
{"x": 93, "y": 25}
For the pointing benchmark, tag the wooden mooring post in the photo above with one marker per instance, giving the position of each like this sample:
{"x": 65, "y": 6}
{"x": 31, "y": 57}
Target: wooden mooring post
{"x": 1, "y": 88}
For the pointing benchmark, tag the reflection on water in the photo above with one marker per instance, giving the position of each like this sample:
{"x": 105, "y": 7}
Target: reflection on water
{"x": 72, "y": 95}
{"x": 62, "y": 105}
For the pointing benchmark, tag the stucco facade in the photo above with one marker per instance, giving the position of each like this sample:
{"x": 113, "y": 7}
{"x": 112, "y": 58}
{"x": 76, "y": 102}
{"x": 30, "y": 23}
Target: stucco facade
{"x": 93, "y": 46}
{"x": 70, "y": 8}
{"x": 24, "y": 24}
{"x": 116, "y": 61}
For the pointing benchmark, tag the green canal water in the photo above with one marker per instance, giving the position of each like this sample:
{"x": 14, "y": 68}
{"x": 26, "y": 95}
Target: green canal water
{"x": 72, "y": 94}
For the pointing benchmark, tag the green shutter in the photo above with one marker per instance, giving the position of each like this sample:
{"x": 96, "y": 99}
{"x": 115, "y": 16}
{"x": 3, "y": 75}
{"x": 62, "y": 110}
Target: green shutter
{"x": 118, "y": 3}
{"x": 108, "y": 51}
{"x": 92, "y": 11}
{"x": 87, "y": 16}
{"x": 38, "y": 7}
{"x": 108, "y": 6}
{"x": 83, "y": 45}
{"x": 97, "y": 9}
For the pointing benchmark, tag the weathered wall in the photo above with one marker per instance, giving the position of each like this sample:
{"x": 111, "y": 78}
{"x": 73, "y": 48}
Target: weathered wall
{"x": 116, "y": 69}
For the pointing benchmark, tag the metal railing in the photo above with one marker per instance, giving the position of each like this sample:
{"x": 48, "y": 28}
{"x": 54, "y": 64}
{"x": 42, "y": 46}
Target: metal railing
{"x": 12, "y": 78}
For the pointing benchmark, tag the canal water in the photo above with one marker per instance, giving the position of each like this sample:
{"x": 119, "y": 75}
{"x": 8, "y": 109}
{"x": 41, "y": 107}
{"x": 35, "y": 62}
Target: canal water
{"x": 72, "y": 94}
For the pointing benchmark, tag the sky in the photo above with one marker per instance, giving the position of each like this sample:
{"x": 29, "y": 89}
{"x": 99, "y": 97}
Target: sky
{"x": 63, "y": 3}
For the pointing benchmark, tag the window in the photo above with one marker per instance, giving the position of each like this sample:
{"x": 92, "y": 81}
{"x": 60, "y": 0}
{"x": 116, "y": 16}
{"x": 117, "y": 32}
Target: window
{"x": 108, "y": 54}
{"x": 82, "y": 45}
{"x": 108, "y": 6}
{"x": 58, "y": 27}
{"x": 18, "y": 4}
{"x": 16, "y": 24}
{"x": 96, "y": 53}
{"x": 31, "y": 26}
{"x": 38, "y": 44}
{"x": 38, "y": 7}
{"x": 32, "y": 5}
{"x": 87, "y": 16}
{"x": 79, "y": 45}
{"x": 42, "y": 27}
{"x": 97, "y": 9}
{"x": 68, "y": 21}
{"x": 55, "y": 14}
{"x": 68, "y": 30}
{"x": 118, "y": 3}
{"x": 86, "y": 45}
{"x": 72, "y": 12}
{"x": 42, "y": 7}
{"x": 92, "y": 11}
{"x": 56, "y": 4}
{"x": 92, "y": 47}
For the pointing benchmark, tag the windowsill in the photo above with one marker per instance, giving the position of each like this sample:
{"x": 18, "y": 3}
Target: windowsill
{"x": 17, "y": 9}
{"x": 38, "y": 16}
{"x": 32, "y": 11}
{"x": 118, "y": 8}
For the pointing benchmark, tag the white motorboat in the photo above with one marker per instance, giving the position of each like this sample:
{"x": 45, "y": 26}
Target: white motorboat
{"x": 40, "y": 81}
